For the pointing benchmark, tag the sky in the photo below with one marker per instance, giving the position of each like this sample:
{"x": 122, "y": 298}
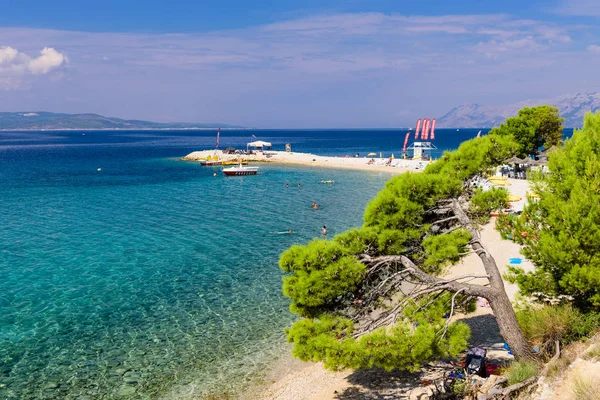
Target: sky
{"x": 292, "y": 64}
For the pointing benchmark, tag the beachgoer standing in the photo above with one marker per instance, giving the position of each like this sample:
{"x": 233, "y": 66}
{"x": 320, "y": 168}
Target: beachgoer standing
{"x": 324, "y": 230}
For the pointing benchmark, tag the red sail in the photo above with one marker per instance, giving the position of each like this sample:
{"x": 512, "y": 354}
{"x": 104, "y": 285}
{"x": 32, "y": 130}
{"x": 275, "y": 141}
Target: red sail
{"x": 433, "y": 130}
{"x": 417, "y": 128}
{"x": 405, "y": 141}
{"x": 425, "y": 133}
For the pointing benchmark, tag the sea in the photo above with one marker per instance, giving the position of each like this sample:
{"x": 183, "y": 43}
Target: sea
{"x": 127, "y": 273}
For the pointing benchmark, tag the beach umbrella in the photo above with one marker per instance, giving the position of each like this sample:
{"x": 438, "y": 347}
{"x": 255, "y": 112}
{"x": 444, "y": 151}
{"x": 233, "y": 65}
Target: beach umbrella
{"x": 514, "y": 160}
{"x": 512, "y": 197}
{"x": 371, "y": 154}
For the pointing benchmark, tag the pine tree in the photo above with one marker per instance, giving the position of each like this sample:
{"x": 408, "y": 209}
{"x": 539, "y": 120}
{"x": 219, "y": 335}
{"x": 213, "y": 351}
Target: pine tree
{"x": 561, "y": 231}
{"x": 374, "y": 296}
{"x": 533, "y": 128}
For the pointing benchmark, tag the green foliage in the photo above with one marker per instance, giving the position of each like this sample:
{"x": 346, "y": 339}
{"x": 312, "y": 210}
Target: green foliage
{"x": 323, "y": 271}
{"x": 396, "y": 214}
{"x": 405, "y": 346}
{"x": 441, "y": 250}
{"x": 562, "y": 229}
{"x": 485, "y": 202}
{"x": 520, "y": 371}
{"x": 474, "y": 157}
{"x": 358, "y": 241}
{"x": 533, "y": 128}
{"x": 547, "y": 324}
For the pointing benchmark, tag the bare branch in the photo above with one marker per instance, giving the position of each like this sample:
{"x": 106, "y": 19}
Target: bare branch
{"x": 451, "y": 314}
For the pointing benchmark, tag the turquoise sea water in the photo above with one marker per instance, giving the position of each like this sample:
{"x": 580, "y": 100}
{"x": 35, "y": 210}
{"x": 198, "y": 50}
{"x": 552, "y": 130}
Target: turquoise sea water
{"x": 151, "y": 273}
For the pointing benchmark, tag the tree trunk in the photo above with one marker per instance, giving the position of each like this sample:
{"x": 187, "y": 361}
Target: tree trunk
{"x": 509, "y": 327}
{"x": 499, "y": 301}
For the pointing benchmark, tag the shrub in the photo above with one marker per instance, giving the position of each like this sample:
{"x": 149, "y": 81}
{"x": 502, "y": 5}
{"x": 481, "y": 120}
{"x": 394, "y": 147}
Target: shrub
{"x": 520, "y": 371}
{"x": 563, "y": 323}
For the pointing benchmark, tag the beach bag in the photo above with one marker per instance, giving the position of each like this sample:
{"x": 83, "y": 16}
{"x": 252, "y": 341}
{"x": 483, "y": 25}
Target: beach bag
{"x": 475, "y": 362}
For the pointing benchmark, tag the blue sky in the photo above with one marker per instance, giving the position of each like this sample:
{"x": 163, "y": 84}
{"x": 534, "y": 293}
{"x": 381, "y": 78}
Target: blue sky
{"x": 297, "y": 64}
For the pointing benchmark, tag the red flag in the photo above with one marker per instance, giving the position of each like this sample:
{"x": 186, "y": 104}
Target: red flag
{"x": 433, "y": 130}
{"x": 218, "y": 134}
{"x": 417, "y": 128}
{"x": 405, "y": 141}
{"x": 425, "y": 133}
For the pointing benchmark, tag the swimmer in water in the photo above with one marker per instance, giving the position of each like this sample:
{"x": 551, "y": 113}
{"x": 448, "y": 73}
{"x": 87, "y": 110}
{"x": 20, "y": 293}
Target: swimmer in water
{"x": 298, "y": 185}
{"x": 314, "y": 205}
{"x": 324, "y": 230}
{"x": 287, "y": 186}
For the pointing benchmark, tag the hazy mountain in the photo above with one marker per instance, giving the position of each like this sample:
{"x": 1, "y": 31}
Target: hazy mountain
{"x": 572, "y": 107}
{"x": 47, "y": 120}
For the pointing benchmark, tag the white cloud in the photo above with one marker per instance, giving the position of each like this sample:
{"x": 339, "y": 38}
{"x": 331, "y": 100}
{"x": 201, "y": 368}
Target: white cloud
{"x": 594, "y": 48}
{"x": 15, "y": 66}
{"x": 586, "y": 8}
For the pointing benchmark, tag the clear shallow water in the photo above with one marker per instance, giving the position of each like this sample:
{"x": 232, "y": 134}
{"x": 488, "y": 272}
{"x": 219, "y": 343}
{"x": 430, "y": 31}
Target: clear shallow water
{"x": 151, "y": 273}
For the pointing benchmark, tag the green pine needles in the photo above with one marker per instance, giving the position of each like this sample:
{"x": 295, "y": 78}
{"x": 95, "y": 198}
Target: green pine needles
{"x": 561, "y": 231}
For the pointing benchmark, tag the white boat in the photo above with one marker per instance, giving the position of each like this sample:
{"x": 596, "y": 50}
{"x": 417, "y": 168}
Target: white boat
{"x": 240, "y": 170}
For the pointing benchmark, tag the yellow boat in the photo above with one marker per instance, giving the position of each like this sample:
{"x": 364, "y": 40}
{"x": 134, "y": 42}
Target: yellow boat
{"x": 235, "y": 162}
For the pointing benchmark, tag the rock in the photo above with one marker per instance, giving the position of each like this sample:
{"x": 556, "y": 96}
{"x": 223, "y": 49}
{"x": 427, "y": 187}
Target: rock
{"x": 51, "y": 385}
{"x": 488, "y": 383}
{"x": 132, "y": 377}
{"x": 125, "y": 390}
{"x": 421, "y": 393}
{"x": 120, "y": 371}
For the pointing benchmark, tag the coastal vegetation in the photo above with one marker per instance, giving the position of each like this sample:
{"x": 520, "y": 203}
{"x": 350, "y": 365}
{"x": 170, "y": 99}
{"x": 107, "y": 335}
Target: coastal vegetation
{"x": 382, "y": 295}
{"x": 560, "y": 232}
{"x": 533, "y": 128}
{"x": 377, "y": 295}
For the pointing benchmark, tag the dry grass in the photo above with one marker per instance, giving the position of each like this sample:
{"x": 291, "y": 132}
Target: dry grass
{"x": 557, "y": 367}
{"x": 584, "y": 388}
{"x": 593, "y": 353}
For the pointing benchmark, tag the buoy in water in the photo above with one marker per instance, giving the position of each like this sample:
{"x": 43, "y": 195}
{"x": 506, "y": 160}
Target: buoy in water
{"x": 215, "y": 174}
{"x": 99, "y": 169}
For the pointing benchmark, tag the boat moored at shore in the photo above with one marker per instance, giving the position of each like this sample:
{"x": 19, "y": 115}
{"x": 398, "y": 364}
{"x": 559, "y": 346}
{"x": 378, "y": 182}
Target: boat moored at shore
{"x": 240, "y": 170}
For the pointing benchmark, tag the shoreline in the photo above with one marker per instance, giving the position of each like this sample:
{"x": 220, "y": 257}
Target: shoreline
{"x": 291, "y": 379}
{"x": 393, "y": 166}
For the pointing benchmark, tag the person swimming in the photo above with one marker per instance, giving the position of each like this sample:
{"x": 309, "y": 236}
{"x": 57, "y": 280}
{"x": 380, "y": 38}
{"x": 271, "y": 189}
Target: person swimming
{"x": 314, "y": 205}
{"x": 288, "y": 232}
{"x": 324, "y": 230}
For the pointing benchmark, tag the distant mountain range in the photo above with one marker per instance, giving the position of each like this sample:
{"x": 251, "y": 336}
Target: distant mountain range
{"x": 48, "y": 120}
{"x": 572, "y": 107}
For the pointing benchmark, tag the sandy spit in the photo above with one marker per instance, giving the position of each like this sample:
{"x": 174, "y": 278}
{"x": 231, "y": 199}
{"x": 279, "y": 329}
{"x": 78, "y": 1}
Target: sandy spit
{"x": 393, "y": 166}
